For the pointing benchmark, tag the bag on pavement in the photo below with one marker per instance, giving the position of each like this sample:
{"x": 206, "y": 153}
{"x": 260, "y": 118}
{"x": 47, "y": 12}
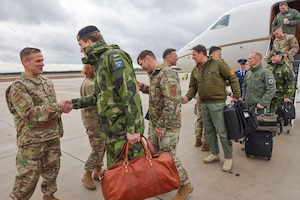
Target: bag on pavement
{"x": 143, "y": 177}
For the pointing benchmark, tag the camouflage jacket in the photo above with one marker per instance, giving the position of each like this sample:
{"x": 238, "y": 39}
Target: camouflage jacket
{"x": 90, "y": 117}
{"x": 115, "y": 91}
{"x": 164, "y": 98}
{"x": 259, "y": 87}
{"x": 285, "y": 79}
{"x": 210, "y": 81}
{"x": 294, "y": 18}
{"x": 37, "y": 115}
{"x": 287, "y": 44}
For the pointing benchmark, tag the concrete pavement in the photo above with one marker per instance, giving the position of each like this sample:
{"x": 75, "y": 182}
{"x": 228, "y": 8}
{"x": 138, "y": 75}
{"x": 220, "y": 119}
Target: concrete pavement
{"x": 250, "y": 178}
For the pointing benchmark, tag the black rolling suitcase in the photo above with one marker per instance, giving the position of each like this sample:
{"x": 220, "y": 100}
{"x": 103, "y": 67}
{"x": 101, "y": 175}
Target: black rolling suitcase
{"x": 259, "y": 144}
{"x": 232, "y": 122}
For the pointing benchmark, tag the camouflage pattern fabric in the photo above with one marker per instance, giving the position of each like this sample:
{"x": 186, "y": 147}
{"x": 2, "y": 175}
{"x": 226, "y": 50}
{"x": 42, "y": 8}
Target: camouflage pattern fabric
{"x": 37, "y": 117}
{"x": 92, "y": 123}
{"x": 287, "y": 44}
{"x": 285, "y": 83}
{"x": 165, "y": 113}
{"x": 115, "y": 95}
{"x": 199, "y": 123}
{"x": 33, "y": 161}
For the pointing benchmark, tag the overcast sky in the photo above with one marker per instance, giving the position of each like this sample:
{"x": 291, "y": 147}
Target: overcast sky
{"x": 135, "y": 25}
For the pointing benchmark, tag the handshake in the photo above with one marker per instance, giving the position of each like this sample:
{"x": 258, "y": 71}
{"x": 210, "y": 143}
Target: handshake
{"x": 66, "y": 106}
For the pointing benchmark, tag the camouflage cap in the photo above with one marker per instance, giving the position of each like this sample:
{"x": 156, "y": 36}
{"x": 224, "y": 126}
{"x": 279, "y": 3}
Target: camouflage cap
{"x": 86, "y": 31}
{"x": 277, "y": 52}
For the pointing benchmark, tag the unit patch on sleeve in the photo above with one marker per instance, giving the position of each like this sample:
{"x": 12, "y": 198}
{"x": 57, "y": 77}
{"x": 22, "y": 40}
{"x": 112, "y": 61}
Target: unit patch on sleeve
{"x": 270, "y": 80}
{"x": 117, "y": 61}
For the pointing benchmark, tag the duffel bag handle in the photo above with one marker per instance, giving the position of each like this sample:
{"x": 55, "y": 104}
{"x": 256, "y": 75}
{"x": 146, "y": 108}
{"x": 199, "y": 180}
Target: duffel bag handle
{"x": 148, "y": 153}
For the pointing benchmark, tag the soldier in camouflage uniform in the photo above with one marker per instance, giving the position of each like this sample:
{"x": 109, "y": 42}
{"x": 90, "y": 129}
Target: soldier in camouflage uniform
{"x": 285, "y": 81}
{"x": 165, "y": 112}
{"x": 115, "y": 94}
{"x": 259, "y": 85}
{"x": 92, "y": 123}
{"x": 37, "y": 116}
{"x": 287, "y": 44}
{"x": 199, "y": 134}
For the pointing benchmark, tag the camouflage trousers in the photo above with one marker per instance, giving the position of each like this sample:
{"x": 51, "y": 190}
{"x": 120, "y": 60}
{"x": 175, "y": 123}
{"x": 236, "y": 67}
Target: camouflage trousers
{"x": 168, "y": 142}
{"x": 114, "y": 147}
{"x": 33, "y": 161}
{"x": 199, "y": 122}
{"x": 97, "y": 142}
{"x": 275, "y": 103}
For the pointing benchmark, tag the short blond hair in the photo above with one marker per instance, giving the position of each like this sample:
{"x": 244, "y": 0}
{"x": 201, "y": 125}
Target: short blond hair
{"x": 257, "y": 55}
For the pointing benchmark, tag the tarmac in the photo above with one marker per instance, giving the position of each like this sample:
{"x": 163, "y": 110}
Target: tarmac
{"x": 250, "y": 178}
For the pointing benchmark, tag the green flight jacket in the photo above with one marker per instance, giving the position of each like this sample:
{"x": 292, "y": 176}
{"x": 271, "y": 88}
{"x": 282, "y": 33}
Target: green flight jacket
{"x": 209, "y": 81}
{"x": 259, "y": 87}
{"x": 294, "y": 18}
{"x": 116, "y": 93}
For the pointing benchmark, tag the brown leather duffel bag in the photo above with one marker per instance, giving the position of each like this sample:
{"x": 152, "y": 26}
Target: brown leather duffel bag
{"x": 143, "y": 177}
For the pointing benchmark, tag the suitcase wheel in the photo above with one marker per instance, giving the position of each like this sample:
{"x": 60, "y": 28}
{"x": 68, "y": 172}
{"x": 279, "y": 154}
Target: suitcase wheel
{"x": 248, "y": 155}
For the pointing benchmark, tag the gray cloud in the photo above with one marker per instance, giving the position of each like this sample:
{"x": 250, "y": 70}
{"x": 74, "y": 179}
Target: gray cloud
{"x": 32, "y": 11}
{"x": 132, "y": 24}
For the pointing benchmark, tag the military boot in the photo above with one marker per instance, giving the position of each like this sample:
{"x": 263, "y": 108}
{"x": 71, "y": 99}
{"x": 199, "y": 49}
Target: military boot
{"x": 198, "y": 142}
{"x": 96, "y": 173}
{"x": 227, "y": 166}
{"x": 204, "y": 147}
{"x": 49, "y": 197}
{"x": 211, "y": 158}
{"x": 184, "y": 191}
{"x": 13, "y": 197}
{"x": 88, "y": 181}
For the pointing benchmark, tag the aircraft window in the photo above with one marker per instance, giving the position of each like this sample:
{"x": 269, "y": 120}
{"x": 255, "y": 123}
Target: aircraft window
{"x": 223, "y": 22}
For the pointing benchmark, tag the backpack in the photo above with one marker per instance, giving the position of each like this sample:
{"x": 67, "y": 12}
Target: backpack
{"x": 247, "y": 117}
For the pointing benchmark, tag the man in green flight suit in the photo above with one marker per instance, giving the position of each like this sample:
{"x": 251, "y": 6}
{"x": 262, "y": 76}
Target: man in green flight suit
{"x": 116, "y": 93}
{"x": 208, "y": 78}
{"x": 259, "y": 85}
{"x": 287, "y": 19}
